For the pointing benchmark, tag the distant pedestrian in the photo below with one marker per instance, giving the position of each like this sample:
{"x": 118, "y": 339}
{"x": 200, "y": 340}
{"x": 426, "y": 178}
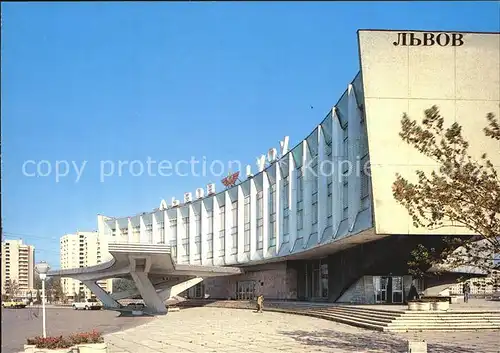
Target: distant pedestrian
{"x": 466, "y": 290}
{"x": 413, "y": 293}
{"x": 260, "y": 303}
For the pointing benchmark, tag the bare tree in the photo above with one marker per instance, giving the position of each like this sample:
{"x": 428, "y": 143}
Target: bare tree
{"x": 56, "y": 289}
{"x": 123, "y": 284}
{"x": 464, "y": 192}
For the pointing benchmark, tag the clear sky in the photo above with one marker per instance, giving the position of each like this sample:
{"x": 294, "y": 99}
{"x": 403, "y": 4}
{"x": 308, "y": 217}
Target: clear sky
{"x": 170, "y": 81}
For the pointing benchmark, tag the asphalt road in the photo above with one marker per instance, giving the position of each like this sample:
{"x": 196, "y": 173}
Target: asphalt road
{"x": 20, "y": 324}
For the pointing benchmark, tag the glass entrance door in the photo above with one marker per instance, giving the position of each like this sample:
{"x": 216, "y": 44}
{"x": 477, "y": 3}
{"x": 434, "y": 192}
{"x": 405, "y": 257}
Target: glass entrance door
{"x": 245, "y": 290}
{"x": 388, "y": 289}
{"x": 397, "y": 290}
{"x": 324, "y": 281}
{"x": 316, "y": 280}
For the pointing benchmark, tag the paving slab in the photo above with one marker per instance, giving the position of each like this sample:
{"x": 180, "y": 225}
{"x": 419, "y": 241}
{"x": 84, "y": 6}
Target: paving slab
{"x": 220, "y": 330}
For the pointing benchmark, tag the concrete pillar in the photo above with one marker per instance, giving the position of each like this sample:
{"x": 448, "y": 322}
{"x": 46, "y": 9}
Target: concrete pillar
{"x": 292, "y": 202}
{"x": 322, "y": 194}
{"x": 253, "y": 219}
{"x": 148, "y": 293}
{"x": 104, "y": 297}
{"x": 307, "y": 180}
{"x": 265, "y": 210}
{"x": 337, "y": 182}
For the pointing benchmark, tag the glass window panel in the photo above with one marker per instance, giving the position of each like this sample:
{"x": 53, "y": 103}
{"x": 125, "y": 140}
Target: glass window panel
{"x": 342, "y": 108}
{"x": 234, "y": 240}
{"x": 299, "y": 185}
{"x": 315, "y": 213}
{"x": 185, "y": 221}
{"x": 234, "y": 211}
{"x": 210, "y": 252}
{"x": 297, "y": 155}
{"x": 222, "y": 245}
{"x": 286, "y": 225}
{"x": 312, "y": 142}
{"x": 345, "y": 194}
{"x": 210, "y": 222}
{"x": 222, "y": 217}
{"x": 285, "y": 193}
{"x": 357, "y": 84}
{"x": 272, "y": 200}
{"x": 329, "y": 205}
{"x": 247, "y": 209}
{"x": 246, "y": 239}
{"x": 299, "y": 220}
{"x": 260, "y": 205}
{"x": 326, "y": 126}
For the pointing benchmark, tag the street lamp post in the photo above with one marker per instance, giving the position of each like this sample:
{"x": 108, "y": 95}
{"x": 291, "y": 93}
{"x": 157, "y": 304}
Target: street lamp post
{"x": 42, "y": 268}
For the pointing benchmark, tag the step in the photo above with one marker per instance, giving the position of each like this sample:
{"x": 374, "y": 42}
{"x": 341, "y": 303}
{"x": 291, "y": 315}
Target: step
{"x": 446, "y": 318}
{"x": 357, "y": 323}
{"x": 447, "y": 313}
{"x": 437, "y": 323}
{"x": 376, "y": 319}
{"x": 355, "y": 316}
{"x": 451, "y": 317}
{"x": 404, "y": 322}
{"x": 352, "y": 321}
{"x": 339, "y": 308}
{"x": 439, "y": 328}
{"x": 356, "y": 312}
{"x": 370, "y": 310}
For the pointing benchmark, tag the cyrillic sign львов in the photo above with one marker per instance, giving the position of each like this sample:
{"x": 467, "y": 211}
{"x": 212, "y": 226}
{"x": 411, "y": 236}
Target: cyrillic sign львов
{"x": 429, "y": 39}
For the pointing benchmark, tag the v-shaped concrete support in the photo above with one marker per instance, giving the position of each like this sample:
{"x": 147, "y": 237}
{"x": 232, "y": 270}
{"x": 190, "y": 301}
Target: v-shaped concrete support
{"x": 148, "y": 293}
{"x": 174, "y": 290}
{"x": 104, "y": 297}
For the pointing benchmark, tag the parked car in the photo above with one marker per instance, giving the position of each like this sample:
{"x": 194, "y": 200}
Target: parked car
{"x": 87, "y": 304}
{"x": 13, "y": 304}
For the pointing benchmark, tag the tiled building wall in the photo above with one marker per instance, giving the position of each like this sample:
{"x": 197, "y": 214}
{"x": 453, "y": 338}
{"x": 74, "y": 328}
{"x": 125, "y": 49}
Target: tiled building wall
{"x": 274, "y": 281}
{"x": 356, "y": 294}
{"x": 363, "y": 291}
{"x": 369, "y": 290}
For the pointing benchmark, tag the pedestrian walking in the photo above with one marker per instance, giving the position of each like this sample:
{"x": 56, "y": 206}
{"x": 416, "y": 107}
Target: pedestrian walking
{"x": 260, "y": 303}
{"x": 466, "y": 290}
{"x": 413, "y": 293}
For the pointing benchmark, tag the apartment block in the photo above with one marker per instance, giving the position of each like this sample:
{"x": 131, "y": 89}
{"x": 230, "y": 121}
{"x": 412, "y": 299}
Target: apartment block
{"x": 81, "y": 249}
{"x": 18, "y": 265}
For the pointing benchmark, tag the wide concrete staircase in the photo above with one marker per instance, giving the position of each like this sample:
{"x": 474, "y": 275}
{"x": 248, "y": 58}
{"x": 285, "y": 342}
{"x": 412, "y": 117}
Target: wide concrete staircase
{"x": 371, "y": 318}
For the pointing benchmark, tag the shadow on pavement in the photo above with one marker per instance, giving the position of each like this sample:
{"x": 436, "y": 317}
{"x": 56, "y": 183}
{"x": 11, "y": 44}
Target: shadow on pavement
{"x": 371, "y": 342}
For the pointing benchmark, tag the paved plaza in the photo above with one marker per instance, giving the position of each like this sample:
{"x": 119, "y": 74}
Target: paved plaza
{"x": 20, "y": 324}
{"x": 221, "y": 330}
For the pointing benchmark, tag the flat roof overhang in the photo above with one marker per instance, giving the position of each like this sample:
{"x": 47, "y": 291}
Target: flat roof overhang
{"x": 160, "y": 263}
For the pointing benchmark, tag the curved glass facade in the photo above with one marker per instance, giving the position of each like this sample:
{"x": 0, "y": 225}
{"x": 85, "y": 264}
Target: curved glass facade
{"x": 296, "y": 203}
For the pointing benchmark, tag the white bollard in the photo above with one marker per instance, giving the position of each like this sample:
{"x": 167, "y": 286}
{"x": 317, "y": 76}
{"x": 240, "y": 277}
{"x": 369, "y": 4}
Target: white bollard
{"x": 417, "y": 347}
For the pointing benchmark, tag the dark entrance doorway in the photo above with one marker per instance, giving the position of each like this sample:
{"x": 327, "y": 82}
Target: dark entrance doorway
{"x": 312, "y": 281}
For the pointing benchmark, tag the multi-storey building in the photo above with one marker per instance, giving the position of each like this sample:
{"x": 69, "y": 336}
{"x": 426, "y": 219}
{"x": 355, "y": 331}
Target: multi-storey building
{"x": 77, "y": 250}
{"x": 319, "y": 221}
{"x": 18, "y": 265}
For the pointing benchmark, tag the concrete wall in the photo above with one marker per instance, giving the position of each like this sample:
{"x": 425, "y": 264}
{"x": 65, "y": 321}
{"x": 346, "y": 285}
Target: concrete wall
{"x": 462, "y": 80}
